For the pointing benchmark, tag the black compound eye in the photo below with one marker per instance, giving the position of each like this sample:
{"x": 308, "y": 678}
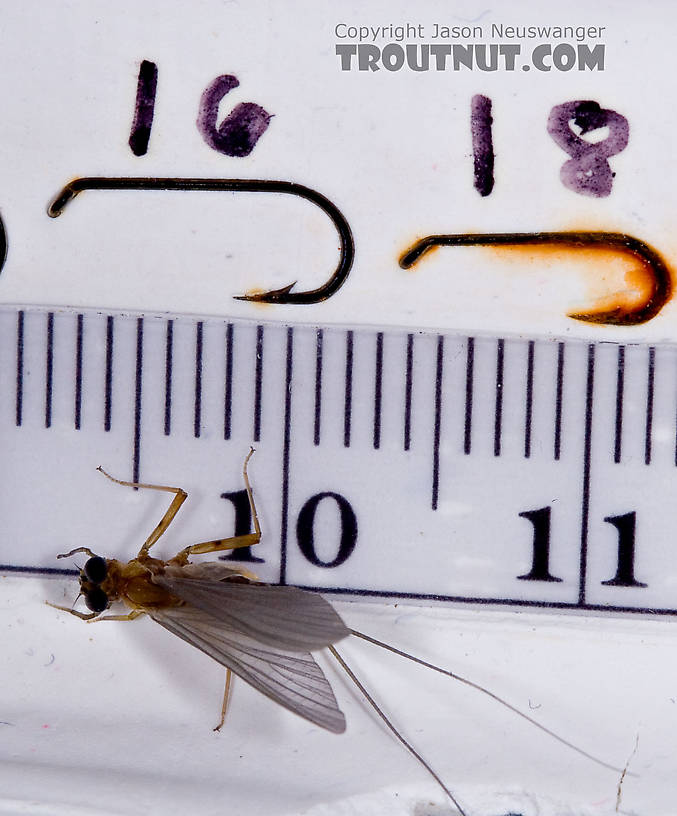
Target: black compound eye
{"x": 96, "y": 600}
{"x": 95, "y": 569}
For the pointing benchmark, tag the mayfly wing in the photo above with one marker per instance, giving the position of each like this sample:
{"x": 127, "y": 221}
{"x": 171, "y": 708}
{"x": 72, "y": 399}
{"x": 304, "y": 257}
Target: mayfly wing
{"x": 292, "y": 679}
{"x": 284, "y": 617}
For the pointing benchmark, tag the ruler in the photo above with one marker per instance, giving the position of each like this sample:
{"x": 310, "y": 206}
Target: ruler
{"x": 396, "y": 464}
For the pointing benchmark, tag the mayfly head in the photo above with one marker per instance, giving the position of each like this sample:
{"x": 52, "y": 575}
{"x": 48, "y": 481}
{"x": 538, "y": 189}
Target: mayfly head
{"x": 94, "y": 584}
{"x": 99, "y": 581}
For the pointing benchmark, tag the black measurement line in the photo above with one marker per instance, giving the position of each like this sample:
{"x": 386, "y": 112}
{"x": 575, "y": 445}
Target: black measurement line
{"x": 439, "y": 372}
{"x": 378, "y": 389}
{"x": 259, "y": 383}
{"x": 137, "y": 400}
{"x": 348, "y": 399}
{"x": 559, "y": 396}
{"x": 649, "y": 404}
{"x": 49, "y": 369}
{"x": 38, "y": 570}
{"x": 408, "y": 387}
{"x": 498, "y": 417}
{"x": 535, "y": 604}
{"x": 78, "y": 371}
{"x": 319, "y": 338}
{"x": 620, "y": 383}
{"x": 585, "y": 501}
{"x": 285, "y": 456}
{"x": 108, "y": 382}
{"x": 197, "y": 412}
{"x": 528, "y": 408}
{"x": 19, "y": 367}
{"x": 469, "y": 386}
{"x": 169, "y": 361}
{"x": 228, "y": 386}
{"x": 422, "y": 596}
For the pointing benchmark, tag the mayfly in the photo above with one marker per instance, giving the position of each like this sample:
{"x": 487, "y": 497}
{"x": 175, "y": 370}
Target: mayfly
{"x": 260, "y": 632}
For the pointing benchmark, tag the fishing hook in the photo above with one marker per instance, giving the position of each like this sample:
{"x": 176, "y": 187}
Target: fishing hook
{"x": 282, "y": 295}
{"x": 651, "y": 263}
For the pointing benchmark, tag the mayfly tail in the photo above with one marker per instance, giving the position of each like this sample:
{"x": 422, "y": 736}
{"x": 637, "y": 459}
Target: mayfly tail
{"x": 491, "y": 694}
{"x": 394, "y": 730}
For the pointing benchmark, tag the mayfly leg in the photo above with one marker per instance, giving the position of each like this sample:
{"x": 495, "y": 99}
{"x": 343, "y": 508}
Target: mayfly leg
{"x": 85, "y": 616}
{"x": 394, "y": 730}
{"x": 231, "y": 543}
{"x": 130, "y": 616}
{"x": 234, "y": 542}
{"x": 179, "y": 498}
{"x": 226, "y": 699}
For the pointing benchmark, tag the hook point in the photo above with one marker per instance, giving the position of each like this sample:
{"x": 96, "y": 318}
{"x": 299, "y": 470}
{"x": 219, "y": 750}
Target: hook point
{"x": 272, "y": 296}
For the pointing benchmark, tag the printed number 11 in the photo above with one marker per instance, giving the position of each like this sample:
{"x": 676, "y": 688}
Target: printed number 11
{"x": 540, "y": 566}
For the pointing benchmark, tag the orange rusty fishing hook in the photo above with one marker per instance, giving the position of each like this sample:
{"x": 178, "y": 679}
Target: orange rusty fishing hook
{"x": 650, "y": 261}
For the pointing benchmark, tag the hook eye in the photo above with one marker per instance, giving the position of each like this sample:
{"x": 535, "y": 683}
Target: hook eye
{"x": 285, "y": 293}
{"x": 656, "y": 279}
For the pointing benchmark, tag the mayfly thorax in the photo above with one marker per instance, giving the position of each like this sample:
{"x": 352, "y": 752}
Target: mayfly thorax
{"x": 262, "y": 633}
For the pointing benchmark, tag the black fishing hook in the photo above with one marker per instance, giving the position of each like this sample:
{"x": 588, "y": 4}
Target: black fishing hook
{"x": 282, "y": 295}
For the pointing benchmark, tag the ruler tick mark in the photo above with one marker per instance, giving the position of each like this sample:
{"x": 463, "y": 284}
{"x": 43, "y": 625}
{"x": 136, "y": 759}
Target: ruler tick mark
{"x": 620, "y": 383}
{"x": 169, "y": 355}
{"x": 284, "y": 523}
{"x": 228, "y": 386}
{"x": 649, "y": 404}
{"x": 498, "y": 416}
{"x": 197, "y": 414}
{"x": 378, "y": 390}
{"x": 439, "y": 373}
{"x": 559, "y": 400}
{"x": 19, "y": 367}
{"x": 348, "y": 399}
{"x": 528, "y": 408}
{"x": 585, "y": 501}
{"x": 408, "y": 386}
{"x": 78, "y": 371}
{"x": 258, "y": 383}
{"x": 108, "y": 382}
{"x": 137, "y": 401}
{"x": 49, "y": 369}
{"x": 319, "y": 338}
{"x": 469, "y": 377}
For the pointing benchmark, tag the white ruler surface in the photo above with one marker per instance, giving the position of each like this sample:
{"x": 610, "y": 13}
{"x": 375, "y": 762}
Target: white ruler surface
{"x": 528, "y": 473}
